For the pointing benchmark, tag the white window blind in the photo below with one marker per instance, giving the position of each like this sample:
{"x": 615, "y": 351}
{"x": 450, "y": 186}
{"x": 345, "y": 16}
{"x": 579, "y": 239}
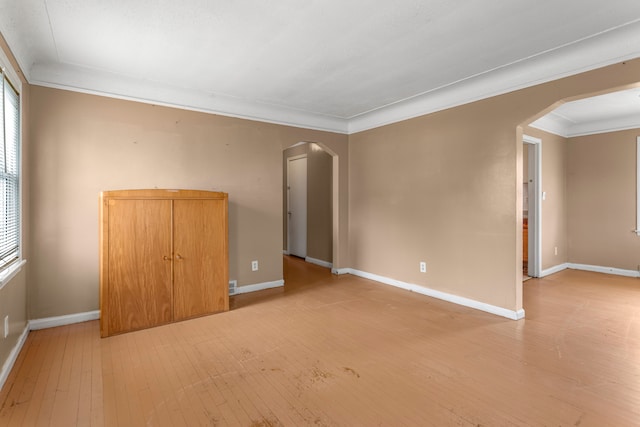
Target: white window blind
{"x": 9, "y": 174}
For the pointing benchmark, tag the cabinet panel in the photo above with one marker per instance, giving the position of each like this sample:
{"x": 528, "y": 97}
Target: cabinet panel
{"x": 163, "y": 257}
{"x": 139, "y": 283}
{"x": 201, "y": 280}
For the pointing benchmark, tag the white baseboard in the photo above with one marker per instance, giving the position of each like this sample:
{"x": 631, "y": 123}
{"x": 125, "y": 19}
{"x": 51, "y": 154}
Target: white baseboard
{"x": 259, "y": 287}
{"x": 33, "y": 325}
{"x": 593, "y": 268}
{"x": 319, "y": 262}
{"x": 285, "y": 252}
{"x": 340, "y": 271}
{"x": 52, "y": 322}
{"x": 606, "y": 270}
{"x": 554, "y": 269}
{"x": 467, "y": 302}
{"x": 13, "y": 356}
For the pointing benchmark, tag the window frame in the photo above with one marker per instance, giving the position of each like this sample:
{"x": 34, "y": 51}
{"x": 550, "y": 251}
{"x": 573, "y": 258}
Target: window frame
{"x": 637, "y": 230}
{"x": 12, "y": 269}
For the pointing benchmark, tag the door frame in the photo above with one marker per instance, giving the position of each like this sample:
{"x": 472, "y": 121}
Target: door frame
{"x": 534, "y": 145}
{"x": 289, "y": 160}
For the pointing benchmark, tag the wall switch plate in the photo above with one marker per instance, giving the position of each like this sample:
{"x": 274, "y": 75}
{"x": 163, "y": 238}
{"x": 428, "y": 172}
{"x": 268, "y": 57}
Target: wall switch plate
{"x": 254, "y": 265}
{"x": 423, "y": 267}
{"x": 6, "y": 326}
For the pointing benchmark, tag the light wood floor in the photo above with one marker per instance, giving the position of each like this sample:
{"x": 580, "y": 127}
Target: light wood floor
{"x": 331, "y": 350}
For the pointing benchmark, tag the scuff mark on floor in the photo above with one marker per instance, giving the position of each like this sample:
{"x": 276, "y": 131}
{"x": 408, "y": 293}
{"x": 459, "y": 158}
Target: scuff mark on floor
{"x": 351, "y": 371}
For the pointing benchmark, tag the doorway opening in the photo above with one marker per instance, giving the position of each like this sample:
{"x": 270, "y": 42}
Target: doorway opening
{"x": 297, "y": 206}
{"x": 310, "y": 203}
{"x": 532, "y": 206}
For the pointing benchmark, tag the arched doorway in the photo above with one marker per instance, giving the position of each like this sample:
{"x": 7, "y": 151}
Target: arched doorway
{"x": 322, "y": 204}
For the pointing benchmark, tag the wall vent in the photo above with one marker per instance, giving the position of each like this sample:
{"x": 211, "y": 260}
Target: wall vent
{"x": 233, "y": 284}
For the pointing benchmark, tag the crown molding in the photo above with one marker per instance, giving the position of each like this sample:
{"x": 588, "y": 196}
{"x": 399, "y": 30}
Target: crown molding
{"x": 555, "y": 125}
{"x": 620, "y": 44}
{"x": 611, "y": 47}
{"x": 603, "y": 126}
{"x": 551, "y": 123}
{"x": 95, "y": 82}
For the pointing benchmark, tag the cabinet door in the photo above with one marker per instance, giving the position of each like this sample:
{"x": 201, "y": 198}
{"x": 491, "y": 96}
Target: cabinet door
{"x": 139, "y": 256}
{"x": 201, "y": 283}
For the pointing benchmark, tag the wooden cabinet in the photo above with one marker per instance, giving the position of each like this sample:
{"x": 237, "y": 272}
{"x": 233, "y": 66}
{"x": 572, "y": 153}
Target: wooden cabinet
{"x": 163, "y": 257}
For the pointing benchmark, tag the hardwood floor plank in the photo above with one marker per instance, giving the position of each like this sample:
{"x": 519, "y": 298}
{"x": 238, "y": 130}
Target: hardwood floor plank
{"x": 203, "y": 383}
{"x": 86, "y": 364}
{"x": 135, "y": 382}
{"x": 109, "y": 390}
{"x": 66, "y": 397}
{"x": 340, "y": 350}
{"x": 166, "y": 410}
{"x": 97, "y": 418}
{"x": 46, "y": 407}
{"x": 47, "y": 341}
{"x": 23, "y": 380}
{"x": 185, "y": 380}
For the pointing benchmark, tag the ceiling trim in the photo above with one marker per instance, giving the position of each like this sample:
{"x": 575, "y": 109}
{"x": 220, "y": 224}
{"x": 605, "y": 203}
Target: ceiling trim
{"x": 605, "y": 126}
{"x": 610, "y": 47}
{"x": 550, "y": 124}
{"x": 614, "y": 46}
{"x": 95, "y": 82}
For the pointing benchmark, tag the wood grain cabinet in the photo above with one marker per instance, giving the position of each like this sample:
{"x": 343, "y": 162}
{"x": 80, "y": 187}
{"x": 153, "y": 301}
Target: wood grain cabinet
{"x": 163, "y": 257}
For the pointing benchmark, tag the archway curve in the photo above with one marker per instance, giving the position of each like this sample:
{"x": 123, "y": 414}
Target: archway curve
{"x": 335, "y": 200}
{"x": 521, "y": 131}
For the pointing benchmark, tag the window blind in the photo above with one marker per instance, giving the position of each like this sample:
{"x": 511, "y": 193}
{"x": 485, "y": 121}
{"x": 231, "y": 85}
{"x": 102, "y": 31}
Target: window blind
{"x": 9, "y": 175}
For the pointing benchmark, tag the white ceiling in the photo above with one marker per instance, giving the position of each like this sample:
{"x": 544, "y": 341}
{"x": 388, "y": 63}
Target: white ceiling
{"x": 344, "y": 66}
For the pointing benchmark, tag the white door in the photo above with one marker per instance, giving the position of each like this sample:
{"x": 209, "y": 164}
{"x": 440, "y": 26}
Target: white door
{"x": 297, "y": 205}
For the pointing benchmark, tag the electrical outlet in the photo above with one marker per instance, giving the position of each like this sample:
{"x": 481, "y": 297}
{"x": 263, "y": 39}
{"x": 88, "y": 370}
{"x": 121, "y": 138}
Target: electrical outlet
{"x": 555, "y": 250}
{"x": 6, "y": 326}
{"x": 423, "y": 267}
{"x": 254, "y": 265}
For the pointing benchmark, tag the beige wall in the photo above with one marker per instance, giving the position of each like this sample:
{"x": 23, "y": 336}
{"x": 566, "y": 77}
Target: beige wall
{"x": 590, "y": 204}
{"x": 84, "y": 144}
{"x": 13, "y": 296}
{"x": 601, "y": 200}
{"x": 430, "y": 189}
{"x": 554, "y": 207}
{"x": 446, "y": 188}
{"x": 319, "y": 200}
